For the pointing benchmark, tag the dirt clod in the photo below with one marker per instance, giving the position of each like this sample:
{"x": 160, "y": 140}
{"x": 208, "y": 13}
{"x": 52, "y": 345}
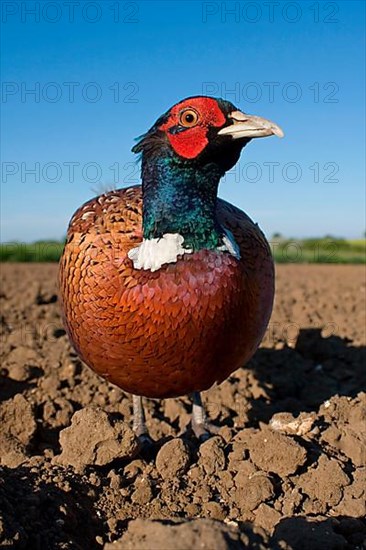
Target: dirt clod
{"x": 173, "y": 459}
{"x": 277, "y": 453}
{"x": 18, "y": 427}
{"x": 212, "y": 456}
{"x": 200, "y": 533}
{"x": 253, "y": 490}
{"x": 286, "y": 423}
{"x": 94, "y": 439}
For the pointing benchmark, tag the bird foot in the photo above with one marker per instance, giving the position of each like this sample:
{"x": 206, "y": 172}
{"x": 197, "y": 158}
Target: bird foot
{"x": 201, "y": 427}
{"x": 203, "y": 432}
{"x": 146, "y": 445}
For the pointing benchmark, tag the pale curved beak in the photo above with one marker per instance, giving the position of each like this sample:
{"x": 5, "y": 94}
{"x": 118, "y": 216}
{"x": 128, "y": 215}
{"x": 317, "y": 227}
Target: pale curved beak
{"x": 250, "y": 126}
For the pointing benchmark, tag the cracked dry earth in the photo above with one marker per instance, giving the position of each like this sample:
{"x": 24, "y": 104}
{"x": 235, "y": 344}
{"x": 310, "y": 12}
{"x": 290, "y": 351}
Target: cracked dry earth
{"x": 286, "y": 470}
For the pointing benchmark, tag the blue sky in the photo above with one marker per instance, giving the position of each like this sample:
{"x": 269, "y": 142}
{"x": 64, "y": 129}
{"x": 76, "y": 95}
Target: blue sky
{"x": 104, "y": 73}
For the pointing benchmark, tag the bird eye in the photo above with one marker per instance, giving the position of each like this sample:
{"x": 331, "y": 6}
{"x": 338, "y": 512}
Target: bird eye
{"x": 188, "y": 118}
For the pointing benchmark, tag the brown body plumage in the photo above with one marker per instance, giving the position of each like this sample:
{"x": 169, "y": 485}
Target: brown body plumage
{"x": 169, "y": 332}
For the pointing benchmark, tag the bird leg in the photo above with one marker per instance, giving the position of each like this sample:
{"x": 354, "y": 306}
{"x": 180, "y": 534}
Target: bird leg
{"x": 202, "y": 429}
{"x": 139, "y": 421}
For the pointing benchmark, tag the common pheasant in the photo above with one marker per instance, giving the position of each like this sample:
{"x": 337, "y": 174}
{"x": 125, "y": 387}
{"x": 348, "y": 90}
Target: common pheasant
{"x": 165, "y": 288}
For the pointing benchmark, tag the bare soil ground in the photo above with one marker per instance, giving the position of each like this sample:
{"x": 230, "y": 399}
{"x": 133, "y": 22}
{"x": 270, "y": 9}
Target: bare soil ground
{"x": 287, "y": 470}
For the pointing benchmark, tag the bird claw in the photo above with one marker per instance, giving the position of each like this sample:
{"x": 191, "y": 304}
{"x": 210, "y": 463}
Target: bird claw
{"x": 146, "y": 444}
{"x": 201, "y": 427}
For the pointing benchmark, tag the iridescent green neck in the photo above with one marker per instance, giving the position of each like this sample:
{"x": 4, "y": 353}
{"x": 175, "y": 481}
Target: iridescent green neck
{"x": 181, "y": 198}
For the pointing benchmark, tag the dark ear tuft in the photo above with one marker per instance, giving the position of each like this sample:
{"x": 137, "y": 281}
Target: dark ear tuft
{"x": 147, "y": 140}
{"x": 138, "y": 148}
{"x": 150, "y": 143}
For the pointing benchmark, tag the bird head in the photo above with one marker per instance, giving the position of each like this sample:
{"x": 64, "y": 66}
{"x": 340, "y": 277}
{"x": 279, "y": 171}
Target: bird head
{"x": 201, "y": 130}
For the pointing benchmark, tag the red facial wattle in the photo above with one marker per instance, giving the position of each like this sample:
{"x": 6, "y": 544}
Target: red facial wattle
{"x": 190, "y": 142}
